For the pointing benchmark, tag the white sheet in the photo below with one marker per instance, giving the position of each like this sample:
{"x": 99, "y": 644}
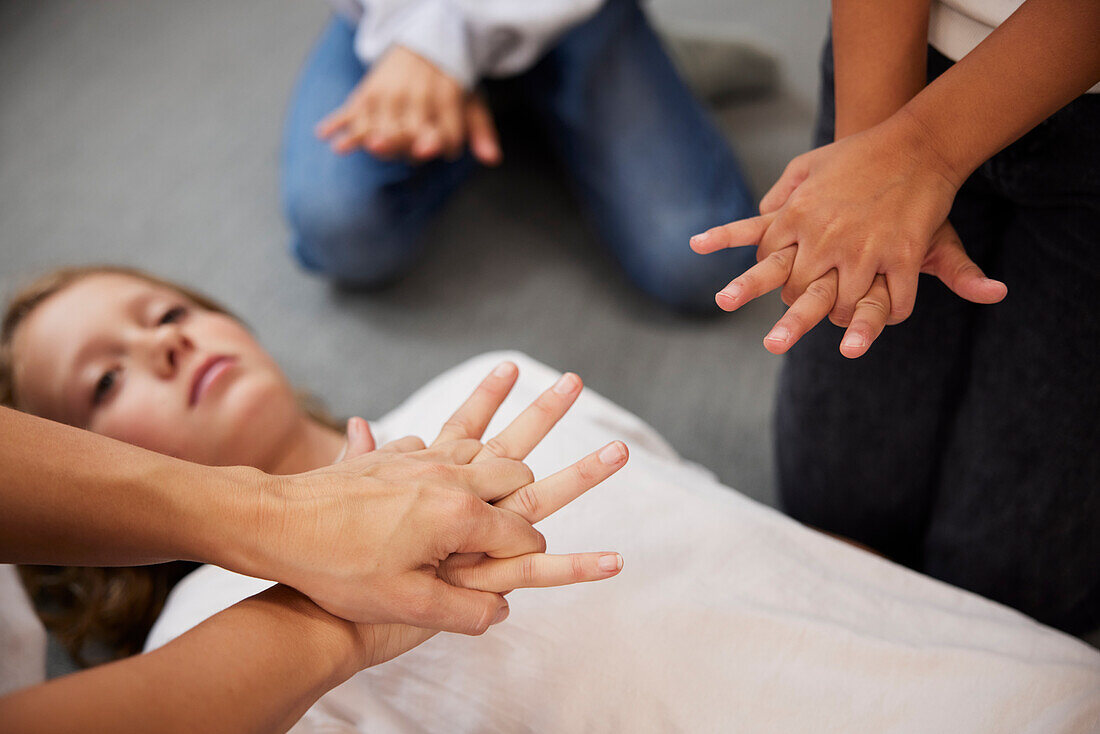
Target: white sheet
{"x": 727, "y": 617}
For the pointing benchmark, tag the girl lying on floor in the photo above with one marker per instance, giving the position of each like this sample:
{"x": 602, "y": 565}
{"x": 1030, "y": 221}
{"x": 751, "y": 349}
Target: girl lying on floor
{"x": 727, "y": 615}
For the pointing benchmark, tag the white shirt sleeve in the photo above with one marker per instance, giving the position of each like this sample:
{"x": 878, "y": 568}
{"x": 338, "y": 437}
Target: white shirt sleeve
{"x": 468, "y": 39}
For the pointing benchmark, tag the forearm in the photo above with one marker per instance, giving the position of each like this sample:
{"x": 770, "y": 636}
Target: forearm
{"x": 879, "y": 59}
{"x": 71, "y": 497}
{"x": 256, "y": 667}
{"x": 1046, "y": 54}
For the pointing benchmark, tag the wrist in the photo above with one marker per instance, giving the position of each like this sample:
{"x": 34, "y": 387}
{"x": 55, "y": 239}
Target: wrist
{"x": 228, "y": 512}
{"x": 910, "y": 134}
{"x": 933, "y": 147}
{"x": 334, "y": 643}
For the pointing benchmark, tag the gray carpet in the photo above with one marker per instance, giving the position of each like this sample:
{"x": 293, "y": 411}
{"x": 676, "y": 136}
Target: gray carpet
{"x": 146, "y": 133}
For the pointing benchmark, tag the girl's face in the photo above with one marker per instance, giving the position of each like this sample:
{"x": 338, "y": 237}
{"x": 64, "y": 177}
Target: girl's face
{"x": 142, "y": 363}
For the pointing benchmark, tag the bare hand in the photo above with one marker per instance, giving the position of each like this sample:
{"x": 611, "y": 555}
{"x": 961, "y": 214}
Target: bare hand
{"x": 845, "y": 233}
{"x": 406, "y": 107}
{"x": 534, "y": 501}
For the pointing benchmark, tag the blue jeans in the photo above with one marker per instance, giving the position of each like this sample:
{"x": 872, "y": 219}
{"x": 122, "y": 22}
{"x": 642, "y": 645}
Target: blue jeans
{"x": 647, "y": 163}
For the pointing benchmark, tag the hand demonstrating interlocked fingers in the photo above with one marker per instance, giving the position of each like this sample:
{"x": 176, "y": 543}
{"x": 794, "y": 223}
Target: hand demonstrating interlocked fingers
{"x": 406, "y": 107}
{"x": 845, "y": 233}
{"x": 494, "y": 476}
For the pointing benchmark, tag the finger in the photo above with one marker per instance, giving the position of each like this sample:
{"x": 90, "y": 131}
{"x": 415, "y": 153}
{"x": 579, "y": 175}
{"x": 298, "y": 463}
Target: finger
{"x": 529, "y": 428}
{"x": 360, "y": 439}
{"x": 496, "y": 478}
{"x": 778, "y": 236}
{"x": 473, "y": 416}
{"x": 764, "y": 277}
{"x": 793, "y": 176}
{"x": 903, "y": 293}
{"x": 352, "y": 136}
{"x": 812, "y": 306}
{"x": 441, "y": 606}
{"x": 427, "y": 144}
{"x": 948, "y": 261}
{"x": 484, "y": 140}
{"x": 385, "y": 137}
{"x": 543, "y": 498}
{"x": 403, "y": 445}
{"x": 418, "y": 129}
{"x": 494, "y": 531}
{"x": 532, "y": 571}
{"x": 449, "y": 122}
{"x": 868, "y": 320}
{"x": 742, "y": 233}
{"x": 857, "y": 281}
{"x": 333, "y": 122}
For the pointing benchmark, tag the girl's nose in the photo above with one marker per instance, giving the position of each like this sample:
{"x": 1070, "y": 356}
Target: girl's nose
{"x": 170, "y": 346}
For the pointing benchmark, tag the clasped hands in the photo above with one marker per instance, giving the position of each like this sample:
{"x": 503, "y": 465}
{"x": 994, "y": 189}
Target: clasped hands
{"x": 406, "y": 107}
{"x": 433, "y": 536}
{"x": 845, "y": 233}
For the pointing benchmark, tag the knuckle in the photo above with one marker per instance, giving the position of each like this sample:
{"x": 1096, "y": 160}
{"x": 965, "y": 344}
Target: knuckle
{"x": 783, "y": 257}
{"x": 529, "y": 570}
{"x": 796, "y": 322}
{"x": 458, "y": 425}
{"x": 820, "y": 291}
{"x": 576, "y": 568}
{"x": 528, "y": 500}
{"x": 497, "y": 446}
{"x": 467, "y": 504}
{"x": 545, "y": 405}
{"x": 583, "y": 473}
{"x": 874, "y": 305}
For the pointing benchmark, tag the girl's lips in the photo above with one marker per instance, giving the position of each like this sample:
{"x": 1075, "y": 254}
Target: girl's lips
{"x": 207, "y": 373}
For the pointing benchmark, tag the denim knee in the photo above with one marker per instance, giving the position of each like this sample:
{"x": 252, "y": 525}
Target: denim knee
{"x": 363, "y": 242}
{"x": 684, "y": 280}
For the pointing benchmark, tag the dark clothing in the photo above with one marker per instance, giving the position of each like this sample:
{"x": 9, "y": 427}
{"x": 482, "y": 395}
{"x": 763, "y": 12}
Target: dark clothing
{"x": 966, "y": 443}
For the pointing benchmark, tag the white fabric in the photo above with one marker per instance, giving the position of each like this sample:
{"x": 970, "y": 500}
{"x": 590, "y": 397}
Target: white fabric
{"x": 468, "y": 39}
{"x": 22, "y": 636}
{"x": 956, "y": 27}
{"x": 727, "y": 617}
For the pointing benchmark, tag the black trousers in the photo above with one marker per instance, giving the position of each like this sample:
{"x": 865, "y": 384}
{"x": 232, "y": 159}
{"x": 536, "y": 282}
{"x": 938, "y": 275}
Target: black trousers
{"x": 966, "y": 443}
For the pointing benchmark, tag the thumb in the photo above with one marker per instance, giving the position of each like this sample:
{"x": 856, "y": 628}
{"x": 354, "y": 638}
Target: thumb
{"x": 465, "y": 611}
{"x": 948, "y": 261}
{"x": 360, "y": 438}
{"x": 792, "y": 177}
{"x": 484, "y": 141}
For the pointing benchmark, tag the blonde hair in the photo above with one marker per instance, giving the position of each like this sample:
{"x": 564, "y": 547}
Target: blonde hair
{"x": 100, "y": 614}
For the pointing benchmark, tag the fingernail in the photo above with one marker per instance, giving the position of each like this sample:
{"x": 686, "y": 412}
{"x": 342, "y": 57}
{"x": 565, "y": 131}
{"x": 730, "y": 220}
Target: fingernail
{"x": 612, "y": 453}
{"x": 566, "y": 384}
{"x": 853, "y": 341}
{"x": 502, "y": 614}
{"x": 610, "y": 562}
{"x": 700, "y": 239}
{"x": 778, "y": 334}
{"x": 504, "y": 369}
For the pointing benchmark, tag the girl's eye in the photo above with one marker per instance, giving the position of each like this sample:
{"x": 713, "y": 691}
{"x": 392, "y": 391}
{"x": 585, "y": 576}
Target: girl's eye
{"x": 172, "y": 315}
{"x": 103, "y": 386}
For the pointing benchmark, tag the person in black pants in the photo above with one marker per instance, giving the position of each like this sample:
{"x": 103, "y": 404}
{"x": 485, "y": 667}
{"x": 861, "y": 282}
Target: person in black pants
{"x": 966, "y": 443}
